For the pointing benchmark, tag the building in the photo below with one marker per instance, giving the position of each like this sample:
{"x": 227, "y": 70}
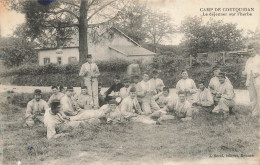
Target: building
{"x": 110, "y": 45}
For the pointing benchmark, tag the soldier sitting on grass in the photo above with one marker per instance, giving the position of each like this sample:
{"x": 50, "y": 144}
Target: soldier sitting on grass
{"x": 177, "y": 109}
{"x": 35, "y": 109}
{"x": 204, "y": 99}
{"x": 225, "y": 96}
{"x": 53, "y": 120}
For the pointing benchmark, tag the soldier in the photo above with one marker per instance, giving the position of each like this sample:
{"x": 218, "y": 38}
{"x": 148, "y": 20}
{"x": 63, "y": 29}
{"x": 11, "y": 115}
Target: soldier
{"x": 145, "y": 95}
{"x": 110, "y": 112}
{"x": 101, "y": 97}
{"x": 54, "y": 120}
{"x": 124, "y": 92}
{"x": 56, "y": 94}
{"x": 214, "y": 81}
{"x": 131, "y": 110}
{"x": 203, "y": 98}
{"x": 226, "y": 96}
{"x": 178, "y": 109}
{"x": 187, "y": 85}
{"x": 114, "y": 88}
{"x": 35, "y": 109}
{"x": 67, "y": 103}
{"x": 89, "y": 71}
{"x": 156, "y": 83}
{"x": 162, "y": 99}
{"x": 83, "y": 99}
{"x": 252, "y": 71}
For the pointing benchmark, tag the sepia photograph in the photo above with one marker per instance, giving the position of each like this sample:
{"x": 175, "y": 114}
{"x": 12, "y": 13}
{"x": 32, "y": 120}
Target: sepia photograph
{"x": 129, "y": 82}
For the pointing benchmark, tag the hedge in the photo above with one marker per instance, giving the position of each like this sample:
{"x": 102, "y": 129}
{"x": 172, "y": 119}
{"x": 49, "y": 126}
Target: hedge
{"x": 169, "y": 66}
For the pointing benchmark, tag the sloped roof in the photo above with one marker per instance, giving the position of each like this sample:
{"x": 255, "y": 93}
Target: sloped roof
{"x": 132, "y": 50}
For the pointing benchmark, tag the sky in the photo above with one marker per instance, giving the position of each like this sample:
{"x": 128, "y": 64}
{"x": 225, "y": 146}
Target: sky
{"x": 177, "y": 9}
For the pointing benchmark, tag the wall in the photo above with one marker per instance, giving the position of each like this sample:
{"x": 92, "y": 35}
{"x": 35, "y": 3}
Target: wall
{"x": 52, "y": 54}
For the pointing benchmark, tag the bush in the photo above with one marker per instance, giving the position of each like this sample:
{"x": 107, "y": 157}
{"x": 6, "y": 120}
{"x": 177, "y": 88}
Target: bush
{"x": 169, "y": 66}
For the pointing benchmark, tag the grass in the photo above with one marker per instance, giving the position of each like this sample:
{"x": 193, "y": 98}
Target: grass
{"x": 205, "y": 135}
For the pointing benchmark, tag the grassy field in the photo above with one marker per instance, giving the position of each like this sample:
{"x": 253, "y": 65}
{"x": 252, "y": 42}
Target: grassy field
{"x": 129, "y": 143}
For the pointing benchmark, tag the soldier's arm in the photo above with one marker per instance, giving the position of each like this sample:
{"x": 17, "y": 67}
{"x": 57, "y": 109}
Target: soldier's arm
{"x": 82, "y": 71}
{"x": 28, "y": 112}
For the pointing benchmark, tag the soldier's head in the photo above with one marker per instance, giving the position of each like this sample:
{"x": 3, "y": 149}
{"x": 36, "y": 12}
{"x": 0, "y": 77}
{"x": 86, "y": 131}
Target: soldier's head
{"x": 37, "y": 94}
{"x": 132, "y": 92}
{"x": 126, "y": 82}
{"x": 222, "y": 77}
{"x": 145, "y": 76}
{"x": 89, "y": 58}
{"x": 117, "y": 79}
{"x": 182, "y": 96}
{"x": 62, "y": 89}
{"x": 55, "y": 90}
{"x": 166, "y": 91}
{"x": 201, "y": 85}
{"x": 184, "y": 74}
{"x": 84, "y": 90}
{"x": 135, "y": 79}
{"x": 112, "y": 104}
{"x": 155, "y": 74}
{"x": 55, "y": 106}
{"x": 216, "y": 70}
{"x": 69, "y": 91}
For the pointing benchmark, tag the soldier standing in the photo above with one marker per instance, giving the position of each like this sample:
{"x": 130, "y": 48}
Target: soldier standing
{"x": 89, "y": 71}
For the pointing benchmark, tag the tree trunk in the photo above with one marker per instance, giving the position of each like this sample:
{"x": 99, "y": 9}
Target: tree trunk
{"x": 83, "y": 32}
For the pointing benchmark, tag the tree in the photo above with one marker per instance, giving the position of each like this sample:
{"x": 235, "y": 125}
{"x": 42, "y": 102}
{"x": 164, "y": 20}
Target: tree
{"x": 61, "y": 15}
{"x": 158, "y": 26}
{"x": 144, "y": 24}
{"x": 17, "y": 51}
{"x": 131, "y": 21}
{"x": 213, "y": 36}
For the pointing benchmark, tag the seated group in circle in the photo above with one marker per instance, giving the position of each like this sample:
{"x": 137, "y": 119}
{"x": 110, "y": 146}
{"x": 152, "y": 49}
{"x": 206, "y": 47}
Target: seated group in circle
{"x": 147, "y": 101}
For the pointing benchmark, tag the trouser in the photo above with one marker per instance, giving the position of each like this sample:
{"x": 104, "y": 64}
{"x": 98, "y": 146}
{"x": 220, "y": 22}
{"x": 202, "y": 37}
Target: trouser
{"x": 166, "y": 117}
{"x": 224, "y": 105}
{"x": 254, "y": 93}
{"x": 92, "y": 85}
{"x": 196, "y": 109}
{"x": 149, "y": 105}
{"x": 88, "y": 114}
{"x": 143, "y": 119}
{"x": 31, "y": 122}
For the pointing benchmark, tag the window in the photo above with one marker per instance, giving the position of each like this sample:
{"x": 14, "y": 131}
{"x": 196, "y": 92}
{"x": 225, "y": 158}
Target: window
{"x": 59, "y": 60}
{"x": 72, "y": 60}
{"x": 46, "y": 61}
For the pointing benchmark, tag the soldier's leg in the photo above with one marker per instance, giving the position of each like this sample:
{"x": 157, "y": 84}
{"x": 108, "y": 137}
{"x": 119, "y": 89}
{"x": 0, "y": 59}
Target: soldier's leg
{"x": 255, "y": 103}
{"x": 146, "y": 107}
{"x": 95, "y": 92}
{"x": 87, "y": 83}
{"x": 154, "y": 105}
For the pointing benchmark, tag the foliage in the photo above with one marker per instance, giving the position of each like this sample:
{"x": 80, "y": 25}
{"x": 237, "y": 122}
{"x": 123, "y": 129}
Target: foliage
{"x": 17, "y": 51}
{"x": 131, "y": 21}
{"x": 212, "y": 36}
{"x": 169, "y": 66}
{"x": 144, "y": 24}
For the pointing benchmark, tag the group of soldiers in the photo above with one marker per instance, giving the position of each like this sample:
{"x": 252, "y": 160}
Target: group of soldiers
{"x": 147, "y": 101}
